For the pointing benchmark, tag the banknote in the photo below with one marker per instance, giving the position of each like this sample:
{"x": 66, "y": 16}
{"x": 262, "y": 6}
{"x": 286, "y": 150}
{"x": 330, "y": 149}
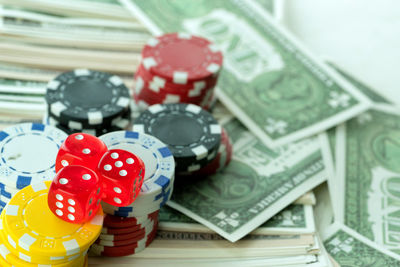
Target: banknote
{"x": 20, "y": 76}
{"x": 258, "y": 183}
{"x": 372, "y": 94}
{"x": 268, "y": 5}
{"x": 11, "y": 86}
{"x": 269, "y": 81}
{"x": 177, "y": 244}
{"x": 349, "y": 248}
{"x": 323, "y": 210}
{"x": 297, "y": 261}
{"x": 45, "y": 29}
{"x": 369, "y": 148}
{"x": 306, "y": 199}
{"x": 53, "y": 58}
{"x": 328, "y": 148}
{"x": 106, "y": 9}
{"x": 295, "y": 219}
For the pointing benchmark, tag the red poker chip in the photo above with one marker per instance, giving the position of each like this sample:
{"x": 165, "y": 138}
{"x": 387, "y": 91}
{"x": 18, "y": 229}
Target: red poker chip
{"x": 120, "y": 237}
{"x": 124, "y": 222}
{"x": 181, "y": 58}
{"x": 150, "y": 95}
{"x": 125, "y": 250}
{"x": 178, "y": 88}
{"x": 192, "y": 93}
{"x": 116, "y": 243}
{"x": 127, "y": 230}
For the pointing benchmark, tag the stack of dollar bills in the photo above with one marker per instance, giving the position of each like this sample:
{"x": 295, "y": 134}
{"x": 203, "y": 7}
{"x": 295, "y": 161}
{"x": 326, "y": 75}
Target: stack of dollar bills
{"x": 314, "y": 179}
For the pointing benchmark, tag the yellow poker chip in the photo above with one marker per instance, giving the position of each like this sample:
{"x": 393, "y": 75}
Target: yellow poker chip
{"x": 3, "y": 262}
{"x": 10, "y": 254}
{"x": 13, "y": 260}
{"x": 33, "y": 230}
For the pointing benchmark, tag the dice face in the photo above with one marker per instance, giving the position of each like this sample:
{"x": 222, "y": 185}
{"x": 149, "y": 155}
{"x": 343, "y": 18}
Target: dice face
{"x": 80, "y": 149}
{"x": 75, "y": 194}
{"x": 122, "y": 175}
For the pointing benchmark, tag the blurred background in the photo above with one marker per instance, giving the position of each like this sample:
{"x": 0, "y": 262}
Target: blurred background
{"x": 362, "y": 37}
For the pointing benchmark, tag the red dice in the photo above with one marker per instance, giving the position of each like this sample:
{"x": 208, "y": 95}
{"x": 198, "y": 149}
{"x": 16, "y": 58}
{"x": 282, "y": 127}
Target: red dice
{"x": 121, "y": 174}
{"x": 80, "y": 149}
{"x": 75, "y": 194}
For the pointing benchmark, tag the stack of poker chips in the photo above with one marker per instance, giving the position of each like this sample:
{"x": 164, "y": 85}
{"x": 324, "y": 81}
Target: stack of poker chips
{"x": 177, "y": 68}
{"x": 128, "y": 230}
{"x": 31, "y": 235}
{"x": 221, "y": 161}
{"x": 88, "y": 101}
{"x": 28, "y": 152}
{"x": 191, "y": 133}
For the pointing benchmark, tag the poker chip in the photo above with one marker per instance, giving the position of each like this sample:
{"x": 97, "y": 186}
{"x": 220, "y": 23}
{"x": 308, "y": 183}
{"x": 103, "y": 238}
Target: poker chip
{"x": 191, "y": 133}
{"x": 128, "y": 230}
{"x": 159, "y": 165}
{"x": 125, "y": 250}
{"x": 86, "y": 264}
{"x": 222, "y": 159}
{"x": 180, "y": 57}
{"x": 36, "y": 235}
{"x": 121, "y": 237}
{"x": 27, "y": 152}
{"x": 177, "y": 68}
{"x": 84, "y": 98}
{"x": 122, "y": 222}
{"x": 121, "y": 123}
{"x": 137, "y": 210}
{"x": 133, "y": 236}
{"x": 7, "y": 258}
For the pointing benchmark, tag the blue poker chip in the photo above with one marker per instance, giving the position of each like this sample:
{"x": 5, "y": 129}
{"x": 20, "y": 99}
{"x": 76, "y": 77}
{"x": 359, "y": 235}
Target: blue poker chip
{"x": 157, "y": 158}
{"x": 27, "y": 154}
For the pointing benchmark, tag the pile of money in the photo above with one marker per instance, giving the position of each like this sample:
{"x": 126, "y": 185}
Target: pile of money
{"x": 314, "y": 179}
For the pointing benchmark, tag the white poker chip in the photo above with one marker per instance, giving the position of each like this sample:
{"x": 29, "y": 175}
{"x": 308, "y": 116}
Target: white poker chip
{"x": 139, "y": 209}
{"x": 27, "y": 154}
{"x": 159, "y": 164}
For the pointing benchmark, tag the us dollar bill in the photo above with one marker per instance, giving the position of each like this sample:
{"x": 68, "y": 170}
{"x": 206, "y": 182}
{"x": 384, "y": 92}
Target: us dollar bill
{"x": 369, "y": 151}
{"x": 258, "y": 183}
{"x": 269, "y": 81}
{"x": 295, "y": 219}
{"x": 349, "y": 248}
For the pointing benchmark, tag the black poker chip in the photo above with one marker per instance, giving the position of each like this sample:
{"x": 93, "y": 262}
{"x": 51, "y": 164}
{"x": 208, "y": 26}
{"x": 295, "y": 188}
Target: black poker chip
{"x": 119, "y": 124}
{"x": 86, "y": 98}
{"x": 191, "y": 133}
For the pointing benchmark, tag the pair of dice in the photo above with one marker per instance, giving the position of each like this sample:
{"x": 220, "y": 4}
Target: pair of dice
{"x": 88, "y": 173}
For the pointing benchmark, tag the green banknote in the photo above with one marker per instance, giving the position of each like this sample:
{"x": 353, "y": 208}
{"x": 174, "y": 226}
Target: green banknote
{"x": 267, "y": 4}
{"x": 258, "y": 183}
{"x": 269, "y": 81}
{"x": 366, "y": 90}
{"x": 295, "y": 219}
{"x": 370, "y": 173}
{"x": 328, "y": 140}
{"x": 348, "y": 248}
